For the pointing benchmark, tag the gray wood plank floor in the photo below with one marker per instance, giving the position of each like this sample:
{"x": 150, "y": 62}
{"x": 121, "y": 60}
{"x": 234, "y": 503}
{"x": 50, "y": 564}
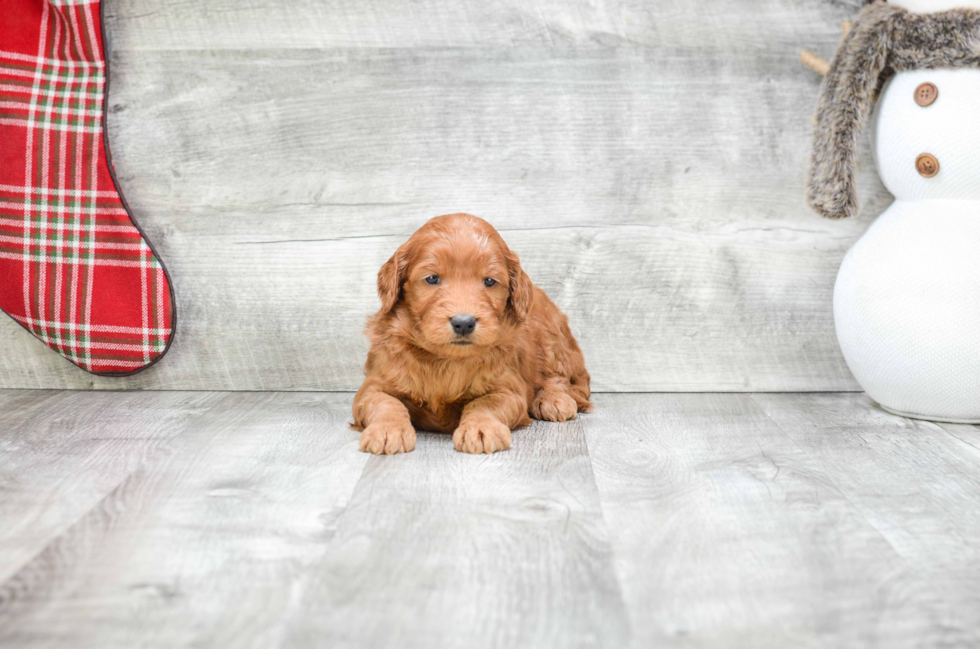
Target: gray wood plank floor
{"x": 644, "y": 157}
{"x": 684, "y": 520}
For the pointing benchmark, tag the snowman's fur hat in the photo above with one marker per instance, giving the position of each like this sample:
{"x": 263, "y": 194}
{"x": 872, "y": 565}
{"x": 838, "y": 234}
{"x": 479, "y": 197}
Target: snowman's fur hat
{"x": 884, "y": 40}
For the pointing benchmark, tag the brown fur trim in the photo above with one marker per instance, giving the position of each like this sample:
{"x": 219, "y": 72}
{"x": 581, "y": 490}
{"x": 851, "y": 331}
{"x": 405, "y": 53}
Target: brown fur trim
{"x": 883, "y": 40}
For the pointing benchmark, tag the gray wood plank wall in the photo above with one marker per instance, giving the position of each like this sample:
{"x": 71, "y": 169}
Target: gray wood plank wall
{"x": 644, "y": 157}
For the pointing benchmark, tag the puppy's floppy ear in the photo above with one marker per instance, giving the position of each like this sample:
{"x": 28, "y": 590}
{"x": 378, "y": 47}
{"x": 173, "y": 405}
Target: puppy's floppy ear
{"x": 521, "y": 289}
{"x": 390, "y": 279}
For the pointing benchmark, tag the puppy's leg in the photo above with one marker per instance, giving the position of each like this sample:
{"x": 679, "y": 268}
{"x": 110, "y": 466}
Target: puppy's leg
{"x": 554, "y": 402}
{"x": 384, "y": 422}
{"x": 580, "y": 389}
{"x": 486, "y": 423}
{"x": 564, "y": 389}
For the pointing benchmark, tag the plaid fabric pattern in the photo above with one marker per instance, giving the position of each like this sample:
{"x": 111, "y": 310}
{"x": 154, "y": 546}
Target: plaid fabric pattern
{"x": 74, "y": 269}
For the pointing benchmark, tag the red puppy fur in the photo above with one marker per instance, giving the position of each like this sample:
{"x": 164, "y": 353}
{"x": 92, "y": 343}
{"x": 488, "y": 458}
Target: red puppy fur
{"x": 464, "y": 343}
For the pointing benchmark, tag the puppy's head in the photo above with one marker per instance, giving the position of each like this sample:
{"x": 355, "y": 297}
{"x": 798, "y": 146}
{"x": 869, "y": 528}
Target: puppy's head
{"x": 458, "y": 283}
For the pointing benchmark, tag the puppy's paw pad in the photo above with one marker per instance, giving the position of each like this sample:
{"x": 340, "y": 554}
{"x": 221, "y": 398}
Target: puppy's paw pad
{"x": 482, "y": 435}
{"x": 388, "y": 438}
{"x": 551, "y": 405}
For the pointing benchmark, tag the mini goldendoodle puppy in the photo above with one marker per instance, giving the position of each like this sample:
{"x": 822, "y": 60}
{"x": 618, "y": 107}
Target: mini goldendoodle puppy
{"x": 464, "y": 343}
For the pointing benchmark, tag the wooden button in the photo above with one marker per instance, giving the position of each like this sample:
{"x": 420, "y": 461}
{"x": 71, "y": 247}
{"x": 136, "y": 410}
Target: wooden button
{"x": 927, "y": 165}
{"x": 926, "y": 93}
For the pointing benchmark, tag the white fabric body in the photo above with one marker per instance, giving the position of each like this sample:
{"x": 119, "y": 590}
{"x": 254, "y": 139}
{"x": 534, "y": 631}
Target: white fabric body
{"x": 948, "y": 129}
{"x": 929, "y": 6}
{"x": 907, "y": 298}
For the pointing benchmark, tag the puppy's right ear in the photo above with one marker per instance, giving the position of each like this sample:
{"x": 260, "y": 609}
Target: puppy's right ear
{"x": 390, "y": 279}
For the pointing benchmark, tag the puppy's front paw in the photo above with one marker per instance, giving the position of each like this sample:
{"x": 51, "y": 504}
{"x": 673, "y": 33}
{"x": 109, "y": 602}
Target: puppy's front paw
{"x": 481, "y": 434}
{"x": 554, "y": 405}
{"x": 388, "y": 438}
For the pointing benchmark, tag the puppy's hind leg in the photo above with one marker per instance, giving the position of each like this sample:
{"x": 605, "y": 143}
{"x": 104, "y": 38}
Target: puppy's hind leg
{"x": 580, "y": 389}
{"x": 553, "y": 401}
{"x": 564, "y": 391}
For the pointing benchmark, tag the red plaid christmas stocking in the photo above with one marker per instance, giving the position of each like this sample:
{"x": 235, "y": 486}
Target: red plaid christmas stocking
{"x": 75, "y": 270}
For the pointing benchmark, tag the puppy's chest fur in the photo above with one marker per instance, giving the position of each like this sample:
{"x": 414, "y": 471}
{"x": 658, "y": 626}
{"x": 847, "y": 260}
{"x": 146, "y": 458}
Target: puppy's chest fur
{"x": 436, "y": 391}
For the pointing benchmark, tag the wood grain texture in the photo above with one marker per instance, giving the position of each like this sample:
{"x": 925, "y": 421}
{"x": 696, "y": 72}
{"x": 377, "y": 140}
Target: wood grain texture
{"x": 64, "y": 452}
{"x": 646, "y": 159}
{"x": 674, "y": 520}
{"x": 731, "y": 535}
{"x": 205, "y": 546}
{"x": 724, "y": 25}
{"x": 442, "y": 549}
{"x": 916, "y": 482}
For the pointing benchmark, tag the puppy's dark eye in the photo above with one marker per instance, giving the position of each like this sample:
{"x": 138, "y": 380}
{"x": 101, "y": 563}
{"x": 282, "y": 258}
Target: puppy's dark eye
{"x": 488, "y": 282}
{"x": 432, "y": 279}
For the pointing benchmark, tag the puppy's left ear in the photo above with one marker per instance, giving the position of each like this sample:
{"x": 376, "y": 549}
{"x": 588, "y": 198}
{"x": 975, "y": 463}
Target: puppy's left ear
{"x": 521, "y": 288}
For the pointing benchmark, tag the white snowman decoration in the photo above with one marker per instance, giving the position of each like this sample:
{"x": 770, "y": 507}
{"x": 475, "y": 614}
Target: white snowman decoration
{"x": 907, "y": 297}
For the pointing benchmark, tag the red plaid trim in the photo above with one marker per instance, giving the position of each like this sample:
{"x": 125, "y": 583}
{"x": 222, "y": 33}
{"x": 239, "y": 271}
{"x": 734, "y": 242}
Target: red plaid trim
{"x": 74, "y": 268}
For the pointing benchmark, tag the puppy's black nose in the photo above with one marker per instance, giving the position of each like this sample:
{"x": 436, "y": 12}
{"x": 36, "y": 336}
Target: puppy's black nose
{"x": 463, "y": 324}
